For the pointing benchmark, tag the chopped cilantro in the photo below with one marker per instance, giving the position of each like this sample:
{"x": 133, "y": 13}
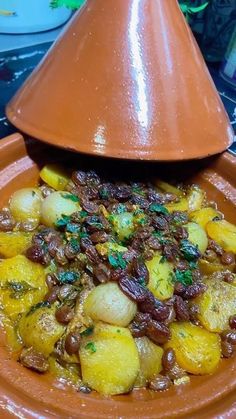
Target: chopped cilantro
{"x": 37, "y": 306}
{"x": 192, "y": 265}
{"x": 74, "y": 244}
{"x": 116, "y": 260}
{"x": 83, "y": 214}
{"x": 160, "y": 209}
{"x": 17, "y": 289}
{"x": 184, "y": 277}
{"x": 118, "y": 330}
{"x": 91, "y": 347}
{"x": 68, "y": 277}
{"x": 72, "y": 228}
{"x": 120, "y": 209}
{"x": 189, "y": 250}
{"x": 88, "y": 331}
{"x": 142, "y": 221}
{"x": 70, "y": 196}
{"x": 63, "y": 221}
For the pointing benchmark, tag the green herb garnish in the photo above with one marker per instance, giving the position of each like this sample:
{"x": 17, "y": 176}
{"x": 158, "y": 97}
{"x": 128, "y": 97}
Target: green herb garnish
{"x": 37, "y": 306}
{"x": 120, "y": 209}
{"x": 184, "y": 277}
{"x": 159, "y": 209}
{"x": 17, "y": 289}
{"x": 63, "y": 221}
{"x": 116, "y": 260}
{"x": 74, "y": 244}
{"x": 91, "y": 347}
{"x": 88, "y": 331}
{"x": 163, "y": 259}
{"x": 70, "y": 196}
{"x": 189, "y": 250}
{"x": 72, "y": 228}
{"x": 68, "y": 277}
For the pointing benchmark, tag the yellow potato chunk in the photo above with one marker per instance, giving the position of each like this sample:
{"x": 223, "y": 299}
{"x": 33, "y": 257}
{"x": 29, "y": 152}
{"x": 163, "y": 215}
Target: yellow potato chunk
{"x": 208, "y": 268}
{"x": 56, "y": 205}
{"x": 216, "y": 305}
{"x": 109, "y": 360}
{"x": 168, "y": 188}
{"x": 204, "y": 215}
{"x": 55, "y": 176}
{"x": 123, "y": 224}
{"x": 108, "y": 303}
{"x": 196, "y": 197}
{"x": 39, "y": 328}
{"x": 13, "y": 341}
{"x": 182, "y": 205}
{"x": 197, "y": 236}
{"x": 25, "y": 205}
{"x": 197, "y": 350}
{"x": 14, "y": 243}
{"x": 160, "y": 277}
{"x": 150, "y": 356}
{"x": 22, "y": 285}
{"x": 224, "y": 233}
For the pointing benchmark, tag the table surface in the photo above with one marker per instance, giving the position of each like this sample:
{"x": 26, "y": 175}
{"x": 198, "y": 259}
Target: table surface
{"x": 16, "y": 63}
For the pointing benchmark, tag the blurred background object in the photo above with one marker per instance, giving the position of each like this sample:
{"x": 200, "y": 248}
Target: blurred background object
{"x": 29, "y": 16}
{"x": 228, "y": 67}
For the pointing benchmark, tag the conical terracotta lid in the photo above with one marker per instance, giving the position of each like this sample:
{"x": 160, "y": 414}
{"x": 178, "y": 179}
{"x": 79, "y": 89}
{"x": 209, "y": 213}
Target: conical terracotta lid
{"x": 126, "y": 80}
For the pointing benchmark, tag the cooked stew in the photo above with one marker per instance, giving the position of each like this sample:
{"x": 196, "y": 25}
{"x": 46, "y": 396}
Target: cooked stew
{"x": 112, "y": 286}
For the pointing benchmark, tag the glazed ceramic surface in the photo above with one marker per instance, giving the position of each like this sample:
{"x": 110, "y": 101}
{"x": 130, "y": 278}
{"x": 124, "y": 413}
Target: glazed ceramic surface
{"x": 26, "y": 394}
{"x": 125, "y": 80}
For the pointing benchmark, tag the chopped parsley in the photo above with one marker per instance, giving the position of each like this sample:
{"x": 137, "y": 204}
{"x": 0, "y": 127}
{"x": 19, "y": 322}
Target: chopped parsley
{"x": 83, "y": 214}
{"x": 74, "y": 244}
{"x": 35, "y": 307}
{"x": 70, "y": 196}
{"x": 63, "y": 221}
{"x": 120, "y": 209}
{"x": 116, "y": 260}
{"x": 67, "y": 277}
{"x": 160, "y": 209}
{"x": 189, "y": 250}
{"x": 91, "y": 347}
{"x": 88, "y": 331}
{"x": 184, "y": 277}
{"x": 72, "y": 228}
{"x": 17, "y": 289}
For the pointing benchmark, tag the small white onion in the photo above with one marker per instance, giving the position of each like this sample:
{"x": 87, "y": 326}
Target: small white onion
{"x": 109, "y": 304}
{"x": 25, "y": 205}
{"x": 56, "y": 205}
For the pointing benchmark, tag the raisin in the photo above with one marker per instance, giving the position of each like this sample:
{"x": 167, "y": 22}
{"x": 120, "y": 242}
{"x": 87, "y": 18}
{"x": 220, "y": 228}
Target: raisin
{"x": 158, "y": 332}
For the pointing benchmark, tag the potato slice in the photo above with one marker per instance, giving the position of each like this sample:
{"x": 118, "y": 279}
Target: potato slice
{"x": 182, "y": 205}
{"x": 197, "y": 350}
{"x": 197, "y": 236}
{"x": 109, "y": 360}
{"x": 22, "y": 285}
{"x": 123, "y": 224}
{"x": 14, "y": 243}
{"x": 108, "y": 303}
{"x": 13, "y": 341}
{"x": 208, "y": 268}
{"x": 224, "y": 233}
{"x": 167, "y": 187}
{"x": 216, "y": 305}
{"x": 55, "y": 176}
{"x": 40, "y": 329}
{"x": 150, "y": 356}
{"x": 204, "y": 215}
{"x": 160, "y": 277}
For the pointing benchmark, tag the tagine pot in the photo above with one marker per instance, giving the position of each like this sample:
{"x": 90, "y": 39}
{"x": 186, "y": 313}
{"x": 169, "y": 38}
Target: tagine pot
{"x": 125, "y": 80}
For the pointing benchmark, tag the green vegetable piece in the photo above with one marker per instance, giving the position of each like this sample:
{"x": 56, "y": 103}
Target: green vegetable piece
{"x": 72, "y": 197}
{"x": 159, "y": 209}
{"x": 116, "y": 260}
{"x": 189, "y": 251}
{"x": 68, "y": 277}
{"x": 184, "y": 277}
{"x": 91, "y": 347}
{"x": 88, "y": 331}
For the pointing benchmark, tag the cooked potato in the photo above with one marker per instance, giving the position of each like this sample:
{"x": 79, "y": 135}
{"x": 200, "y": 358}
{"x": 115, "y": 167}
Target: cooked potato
{"x": 204, "y": 215}
{"x": 182, "y": 205}
{"x": 14, "y": 243}
{"x": 224, "y": 233}
{"x": 208, "y": 268}
{"x": 216, "y": 305}
{"x": 25, "y": 205}
{"x": 160, "y": 277}
{"x": 13, "y": 341}
{"x": 196, "y": 197}
{"x": 56, "y": 205}
{"x": 167, "y": 187}
{"x": 69, "y": 372}
{"x": 108, "y": 303}
{"x": 22, "y": 284}
{"x": 55, "y": 176}
{"x": 109, "y": 360}
{"x": 197, "y": 350}
{"x": 39, "y": 328}
{"x": 123, "y": 224}
{"x": 109, "y": 247}
{"x": 150, "y": 356}
{"x": 197, "y": 236}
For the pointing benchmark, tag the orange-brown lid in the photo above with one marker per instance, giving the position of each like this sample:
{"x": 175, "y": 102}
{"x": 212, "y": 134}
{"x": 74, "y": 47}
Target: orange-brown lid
{"x": 126, "y": 80}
